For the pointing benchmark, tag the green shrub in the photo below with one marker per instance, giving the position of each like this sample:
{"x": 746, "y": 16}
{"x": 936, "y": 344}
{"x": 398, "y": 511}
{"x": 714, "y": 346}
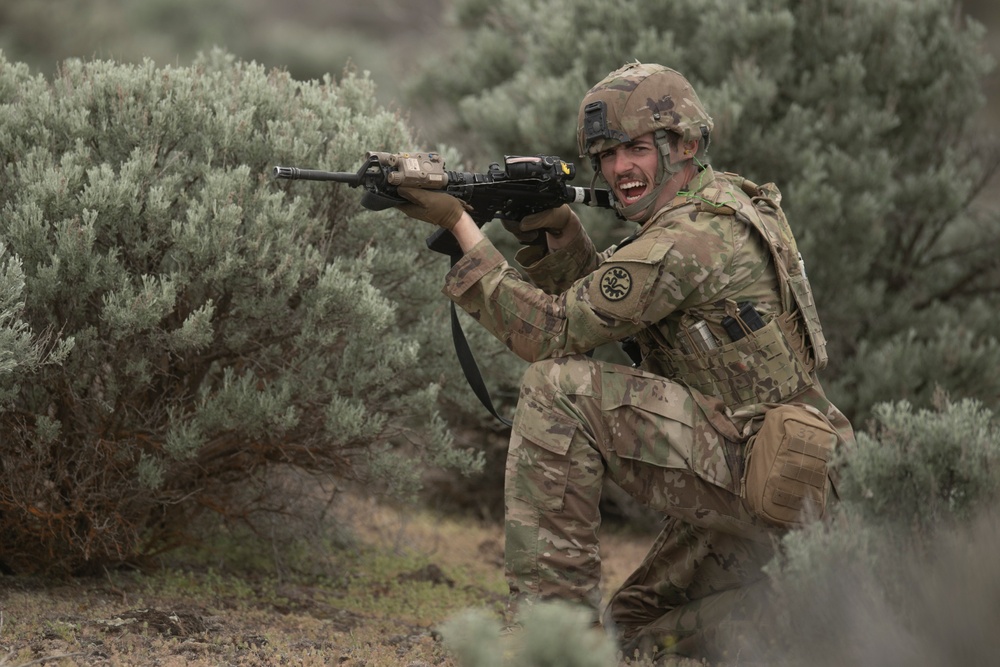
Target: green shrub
{"x": 906, "y": 572}
{"x": 21, "y": 353}
{"x": 851, "y": 595}
{"x": 547, "y": 634}
{"x": 309, "y": 39}
{"x": 189, "y": 323}
{"x": 921, "y": 469}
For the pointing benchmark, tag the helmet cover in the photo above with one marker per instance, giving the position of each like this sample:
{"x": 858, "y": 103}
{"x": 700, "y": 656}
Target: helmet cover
{"x": 635, "y": 100}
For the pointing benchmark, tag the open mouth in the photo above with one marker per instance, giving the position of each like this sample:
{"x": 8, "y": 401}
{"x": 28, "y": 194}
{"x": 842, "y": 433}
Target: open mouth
{"x": 632, "y": 191}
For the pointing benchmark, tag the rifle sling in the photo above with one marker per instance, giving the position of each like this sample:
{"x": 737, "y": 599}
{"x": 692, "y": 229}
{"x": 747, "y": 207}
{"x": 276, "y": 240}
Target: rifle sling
{"x": 468, "y": 362}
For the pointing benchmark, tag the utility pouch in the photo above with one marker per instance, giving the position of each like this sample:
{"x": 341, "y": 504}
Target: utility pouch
{"x": 764, "y": 367}
{"x": 786, "y": 481}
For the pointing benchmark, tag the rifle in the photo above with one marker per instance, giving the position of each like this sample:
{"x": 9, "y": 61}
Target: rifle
{"x": 524, "y": 185}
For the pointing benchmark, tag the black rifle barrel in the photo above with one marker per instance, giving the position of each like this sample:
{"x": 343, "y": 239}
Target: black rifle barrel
{"x": 295, "y": 173}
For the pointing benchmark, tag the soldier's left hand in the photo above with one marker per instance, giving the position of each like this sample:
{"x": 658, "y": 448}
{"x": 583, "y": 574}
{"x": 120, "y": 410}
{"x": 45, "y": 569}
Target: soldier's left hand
{"x": 532, "y": 229}
{"x": 436, "y": 208}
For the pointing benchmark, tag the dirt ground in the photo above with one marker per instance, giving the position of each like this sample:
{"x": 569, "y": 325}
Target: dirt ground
{"x": 372, "y": 592}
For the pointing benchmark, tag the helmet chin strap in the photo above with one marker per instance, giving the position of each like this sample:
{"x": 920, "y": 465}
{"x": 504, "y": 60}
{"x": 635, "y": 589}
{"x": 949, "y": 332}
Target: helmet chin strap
{"x": 664, "y": 172}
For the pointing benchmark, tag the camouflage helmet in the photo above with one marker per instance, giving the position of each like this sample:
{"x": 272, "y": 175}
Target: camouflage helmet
{"x": 637, "y": 99}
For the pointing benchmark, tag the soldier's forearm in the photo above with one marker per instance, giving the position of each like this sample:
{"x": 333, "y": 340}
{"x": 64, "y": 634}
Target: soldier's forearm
{"x": 467, "y": 233}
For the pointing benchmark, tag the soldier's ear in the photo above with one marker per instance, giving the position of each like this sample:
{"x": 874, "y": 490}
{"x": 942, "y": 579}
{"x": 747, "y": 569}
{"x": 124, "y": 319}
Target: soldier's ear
{"x": 683, "y": 150}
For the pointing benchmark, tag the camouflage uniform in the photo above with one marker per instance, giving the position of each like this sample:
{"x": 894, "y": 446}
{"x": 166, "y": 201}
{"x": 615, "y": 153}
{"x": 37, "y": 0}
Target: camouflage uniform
{"x": 666, "y": 432}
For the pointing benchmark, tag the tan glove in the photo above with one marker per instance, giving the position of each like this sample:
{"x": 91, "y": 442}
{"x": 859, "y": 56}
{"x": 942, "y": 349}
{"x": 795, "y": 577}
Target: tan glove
{"x": 531, "y": 230}
{"x": 430, "y": 206}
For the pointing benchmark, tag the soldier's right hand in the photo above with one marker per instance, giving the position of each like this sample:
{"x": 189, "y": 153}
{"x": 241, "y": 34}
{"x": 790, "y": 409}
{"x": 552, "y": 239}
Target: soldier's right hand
{"x": 532, "y": 229}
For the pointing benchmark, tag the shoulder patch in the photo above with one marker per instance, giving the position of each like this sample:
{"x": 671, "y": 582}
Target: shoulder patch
{"x": 623, "y": 286}
{"x": 616, "y": 283}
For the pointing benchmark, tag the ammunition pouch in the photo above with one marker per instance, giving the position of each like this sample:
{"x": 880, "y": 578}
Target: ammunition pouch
{"x": 770, "y": 365}
{"x": 801, "y": 291}
{"x": 787, "y": 478}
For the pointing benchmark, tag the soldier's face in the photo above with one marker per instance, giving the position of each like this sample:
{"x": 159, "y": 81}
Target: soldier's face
{"x": 630, "y": 168}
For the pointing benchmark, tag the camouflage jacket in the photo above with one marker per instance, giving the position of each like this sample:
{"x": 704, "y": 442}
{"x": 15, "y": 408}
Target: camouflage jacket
{"x": 692, "y": 261}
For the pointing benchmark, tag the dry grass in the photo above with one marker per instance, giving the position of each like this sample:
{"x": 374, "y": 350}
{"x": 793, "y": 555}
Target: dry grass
{"x": 372, "y": 595}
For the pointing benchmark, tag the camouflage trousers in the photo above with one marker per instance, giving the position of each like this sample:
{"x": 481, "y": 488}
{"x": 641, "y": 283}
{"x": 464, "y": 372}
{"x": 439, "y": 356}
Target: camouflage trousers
{"x": 579, "y": 421}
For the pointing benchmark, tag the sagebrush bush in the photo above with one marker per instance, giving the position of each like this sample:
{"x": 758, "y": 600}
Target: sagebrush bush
{"x": 546, "y": 634}
{"x": 905, "y": 573}
{"x": 185, "y": 322}
{"x": 922, "y": 468}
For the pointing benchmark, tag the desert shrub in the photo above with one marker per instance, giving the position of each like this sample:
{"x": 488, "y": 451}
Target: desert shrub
{"x": 905, "y": 573}
{"x": 547, "y": 634}
{"x": 307, "y": 38}
{"x": 175, "y": 323}
{"x": 851, "y": 595}
{"x": 920, "y": 469}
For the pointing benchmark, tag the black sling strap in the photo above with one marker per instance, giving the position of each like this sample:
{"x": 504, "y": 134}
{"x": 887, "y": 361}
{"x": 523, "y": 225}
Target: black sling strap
{"x": 468, "y": 362}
